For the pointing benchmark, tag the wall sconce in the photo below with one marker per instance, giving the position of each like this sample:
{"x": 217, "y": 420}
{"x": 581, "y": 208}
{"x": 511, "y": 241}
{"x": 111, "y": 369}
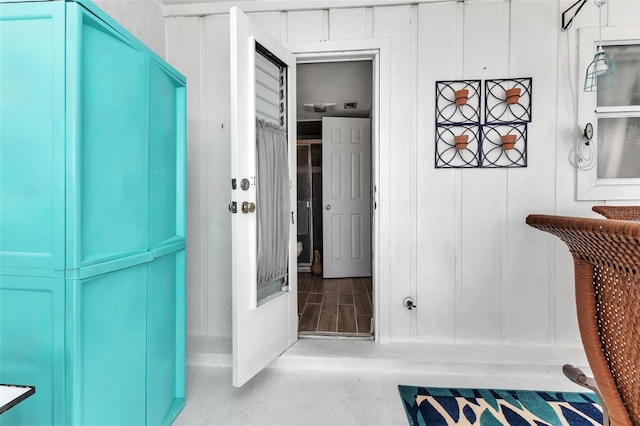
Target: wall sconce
{"x": 601, "y": 72}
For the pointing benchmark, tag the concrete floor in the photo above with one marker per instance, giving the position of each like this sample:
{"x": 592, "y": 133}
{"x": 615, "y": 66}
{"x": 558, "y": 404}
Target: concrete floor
{"x": 290, "y": 397}
{"x": 340, "y": 382}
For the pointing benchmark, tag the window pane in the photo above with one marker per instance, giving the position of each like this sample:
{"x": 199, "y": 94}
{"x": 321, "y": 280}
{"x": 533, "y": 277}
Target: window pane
{"x": 619, "y": 147}
{"x": 627, "y": 90}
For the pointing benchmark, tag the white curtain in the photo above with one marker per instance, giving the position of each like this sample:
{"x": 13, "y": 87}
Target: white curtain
{"x": 272, "y": 202}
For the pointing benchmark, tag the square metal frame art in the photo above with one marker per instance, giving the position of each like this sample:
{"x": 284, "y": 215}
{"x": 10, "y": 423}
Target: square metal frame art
{"x": 462, "y": 141}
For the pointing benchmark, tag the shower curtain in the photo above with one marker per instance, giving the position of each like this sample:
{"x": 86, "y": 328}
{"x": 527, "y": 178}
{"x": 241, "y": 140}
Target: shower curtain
{"x": 273, "y": 203}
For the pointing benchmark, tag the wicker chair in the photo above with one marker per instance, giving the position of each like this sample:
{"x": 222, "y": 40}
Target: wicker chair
{"x": 618, "y": 212}
{"x": 606, "y": 257}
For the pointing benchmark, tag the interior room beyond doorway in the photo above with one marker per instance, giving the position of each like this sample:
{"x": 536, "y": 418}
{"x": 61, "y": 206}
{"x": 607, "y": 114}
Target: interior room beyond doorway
{"x": 340, "y": 305}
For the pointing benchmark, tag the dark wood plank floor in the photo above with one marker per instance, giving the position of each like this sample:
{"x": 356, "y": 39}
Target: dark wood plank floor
{"x": 339, "y": 306}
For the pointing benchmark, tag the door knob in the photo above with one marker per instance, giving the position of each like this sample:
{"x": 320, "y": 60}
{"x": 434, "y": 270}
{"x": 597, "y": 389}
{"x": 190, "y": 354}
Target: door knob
{"x": 328, "y": 207}
{"x": 248, "y": 207}
{"x": 233, "y": 207}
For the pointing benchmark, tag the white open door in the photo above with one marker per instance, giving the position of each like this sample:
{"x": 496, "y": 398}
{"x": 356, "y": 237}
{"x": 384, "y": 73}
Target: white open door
{"x": 264, "y": 324}
{"x": 346, "y": 197}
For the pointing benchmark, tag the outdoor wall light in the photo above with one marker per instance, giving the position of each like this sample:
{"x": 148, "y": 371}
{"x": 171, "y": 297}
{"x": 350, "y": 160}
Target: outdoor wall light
{"x": 601, "y": 72}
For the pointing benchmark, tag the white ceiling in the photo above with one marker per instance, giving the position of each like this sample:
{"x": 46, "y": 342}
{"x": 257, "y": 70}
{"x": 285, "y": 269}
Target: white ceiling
{"x": 334, "y": 82}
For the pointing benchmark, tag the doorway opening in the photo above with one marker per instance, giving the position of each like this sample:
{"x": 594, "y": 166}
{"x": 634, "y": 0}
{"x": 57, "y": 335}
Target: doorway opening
{"x": 335, "y": 197}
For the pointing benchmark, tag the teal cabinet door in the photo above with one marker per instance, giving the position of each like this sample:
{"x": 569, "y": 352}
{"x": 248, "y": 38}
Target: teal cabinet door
{"x": 92, "y": 220}
{"x": 167, "y": 157}
{"x": 107, "y": 88}
{"x": 31, "y": 128}
{"x": 32, "y": 347}
{"x": 106, "y": 339}
{"x": 166, "y": 323}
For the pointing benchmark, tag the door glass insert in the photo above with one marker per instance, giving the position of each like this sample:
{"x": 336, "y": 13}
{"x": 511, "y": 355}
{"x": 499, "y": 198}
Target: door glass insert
{"x": 627, "y": 90}
{"x": 619, "y": 147}
{"x": 272, "y": 183}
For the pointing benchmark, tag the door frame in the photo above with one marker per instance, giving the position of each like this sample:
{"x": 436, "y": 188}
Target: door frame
{"x": 376, "y": 50}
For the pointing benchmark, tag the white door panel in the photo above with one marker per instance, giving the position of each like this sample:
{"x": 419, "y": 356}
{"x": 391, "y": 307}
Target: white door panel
{"x": 261, "y": 331}
{"x": 346, "y": 197}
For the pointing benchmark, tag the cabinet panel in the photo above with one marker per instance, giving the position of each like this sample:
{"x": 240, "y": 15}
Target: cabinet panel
{"x": 165, "y": 338}
{"x": 167, "y": 154}
{"x": 31, "y": 125}
{"x": 107, "y": 340}
{"x": 90, "y": 312}
{"x": 32, "y": 346}
{"x": 112, "y": 151}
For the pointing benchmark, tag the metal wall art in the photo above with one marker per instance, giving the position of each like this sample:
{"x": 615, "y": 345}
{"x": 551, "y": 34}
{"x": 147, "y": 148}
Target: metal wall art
{"x": 458, "y": 102}
{"x": 507, "y": 101}
{"x": 462, "y": 141}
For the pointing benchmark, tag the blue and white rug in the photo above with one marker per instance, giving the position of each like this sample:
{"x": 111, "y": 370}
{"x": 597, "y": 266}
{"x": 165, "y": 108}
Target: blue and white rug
{"x": 492, "y": 407}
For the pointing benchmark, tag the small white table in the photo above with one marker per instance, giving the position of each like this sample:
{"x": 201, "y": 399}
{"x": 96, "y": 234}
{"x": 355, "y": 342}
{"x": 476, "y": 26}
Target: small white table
{"x": 11, "y": 395}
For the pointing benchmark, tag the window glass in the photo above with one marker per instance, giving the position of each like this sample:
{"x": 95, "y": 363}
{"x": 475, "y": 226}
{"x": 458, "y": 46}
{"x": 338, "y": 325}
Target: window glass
{"x": 619, "y": 147}
{"x": 627, "y": 90}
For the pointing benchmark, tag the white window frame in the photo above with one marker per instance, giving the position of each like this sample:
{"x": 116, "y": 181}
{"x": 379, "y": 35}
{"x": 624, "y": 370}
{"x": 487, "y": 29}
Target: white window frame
{"x": 589, "y": 187}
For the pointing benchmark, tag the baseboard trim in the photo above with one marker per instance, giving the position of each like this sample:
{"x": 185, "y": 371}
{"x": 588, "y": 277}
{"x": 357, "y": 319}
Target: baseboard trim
{"x": 443, "y": 359}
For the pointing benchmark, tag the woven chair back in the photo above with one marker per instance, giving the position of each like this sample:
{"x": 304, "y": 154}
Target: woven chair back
{"x": 618, "y": 212}
{"x": 606, "y": 257}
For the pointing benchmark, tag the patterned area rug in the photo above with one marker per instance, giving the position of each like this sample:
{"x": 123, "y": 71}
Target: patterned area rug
{"x": 489, "y": 407}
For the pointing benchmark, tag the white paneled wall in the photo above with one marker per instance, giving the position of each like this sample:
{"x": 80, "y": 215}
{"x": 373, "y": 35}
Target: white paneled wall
{"x": 144, "y": 19}
{"x": 455, "y": 240}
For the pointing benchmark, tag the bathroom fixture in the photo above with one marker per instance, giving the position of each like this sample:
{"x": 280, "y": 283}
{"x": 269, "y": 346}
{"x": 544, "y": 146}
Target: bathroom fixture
{"x": 601, "y": 72}
{"x": 320, "y": 107}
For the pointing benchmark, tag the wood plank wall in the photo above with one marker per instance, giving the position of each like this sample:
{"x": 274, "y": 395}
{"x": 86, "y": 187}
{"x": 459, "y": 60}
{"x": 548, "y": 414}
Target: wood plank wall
{"x": 144, "y": 19}
{"x": 455, "y": 239}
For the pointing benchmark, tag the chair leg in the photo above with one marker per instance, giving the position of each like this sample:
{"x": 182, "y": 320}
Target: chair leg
{"x": 576, "y": 375}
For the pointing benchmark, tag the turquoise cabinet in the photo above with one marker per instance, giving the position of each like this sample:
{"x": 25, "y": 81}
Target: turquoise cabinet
{"x": 92, "y": 220}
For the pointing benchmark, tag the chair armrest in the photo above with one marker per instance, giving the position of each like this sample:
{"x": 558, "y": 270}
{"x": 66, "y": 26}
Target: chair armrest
{"x": 577, "y": 376}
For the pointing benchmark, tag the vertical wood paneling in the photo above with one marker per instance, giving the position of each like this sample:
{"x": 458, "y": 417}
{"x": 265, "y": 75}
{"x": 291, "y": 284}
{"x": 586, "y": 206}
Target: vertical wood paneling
{"x": 394, "y": 23}
{"x": 347, "y": 24}
{"x": 515, "y": 284}
{"x": 270, "y": 23}
{"x": 413, "y": 171}
{"x": 485, "y": 43}
{"x": 183, "y": 52}
{"x": 527, "y": 292}
{"x": 369, "y": 30}
{"x": 438, "y": 50}
{"x": 618, "y": 13}
{"x": 305, "y": 26}
{"x": 143, "y": 18}
{"x": 562, "y": 300}
{"x": 218, "y": 174}
{"x": 622, "y": 12}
